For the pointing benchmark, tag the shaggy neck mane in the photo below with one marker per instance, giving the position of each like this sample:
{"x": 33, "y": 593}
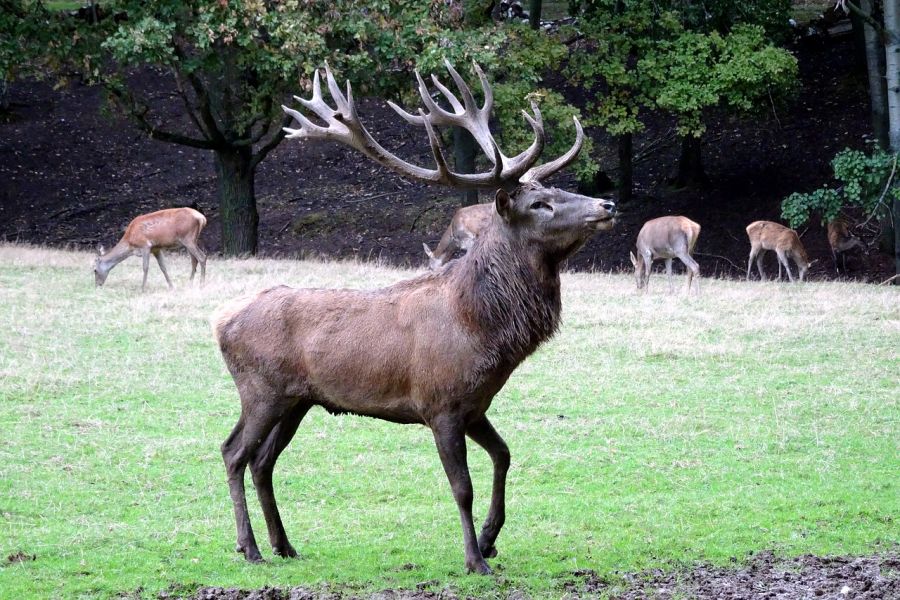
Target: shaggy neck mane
{"x": 509, "y": 296}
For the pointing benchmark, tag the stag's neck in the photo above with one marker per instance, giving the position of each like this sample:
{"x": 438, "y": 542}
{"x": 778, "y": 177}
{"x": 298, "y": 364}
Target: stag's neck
{"x": 116, "y": 254}
{"x": 510, "y": 295}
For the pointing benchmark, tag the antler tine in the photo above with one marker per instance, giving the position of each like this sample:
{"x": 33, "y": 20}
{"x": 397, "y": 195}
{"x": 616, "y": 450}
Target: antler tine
{"x": 410, "y": 118}
{"x": 435, "y": 113}
{"x": 305, "y": 125}
{"x": 485, "y": 88}
{"x": 521, "y": 162}
{"x": 545, "y": 170}
{"x": 439, "y": 159}
{"x": 468, "y": 100}
{"x": 335, "y": 90}
{"x": 457, "y": 107}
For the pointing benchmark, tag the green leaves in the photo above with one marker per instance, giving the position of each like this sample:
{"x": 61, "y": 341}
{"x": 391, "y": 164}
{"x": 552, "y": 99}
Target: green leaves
{"x": 868, "y": 181}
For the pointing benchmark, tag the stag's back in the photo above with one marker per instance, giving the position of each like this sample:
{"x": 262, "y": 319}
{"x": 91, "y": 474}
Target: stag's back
{"x": 663, "y": 234}
{"x": 164, "y": 227}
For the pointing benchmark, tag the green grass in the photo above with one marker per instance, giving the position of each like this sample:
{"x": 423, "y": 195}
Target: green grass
{"x": 654, "y": 430}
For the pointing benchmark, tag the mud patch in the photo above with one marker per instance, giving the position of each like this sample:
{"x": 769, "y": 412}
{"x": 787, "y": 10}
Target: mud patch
{"x": 19, "y": 557}
{"x": 764, "y": 577}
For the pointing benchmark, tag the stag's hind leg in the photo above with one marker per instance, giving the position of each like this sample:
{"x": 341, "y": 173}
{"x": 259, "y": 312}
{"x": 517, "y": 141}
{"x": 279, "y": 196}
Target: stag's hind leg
{"x": 484, "y": 434}
{"x": 261, "y": 467}
{"x": 162, "y": 266}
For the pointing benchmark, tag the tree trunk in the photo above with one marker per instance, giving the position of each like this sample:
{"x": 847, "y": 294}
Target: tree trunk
{"x": 875, "y": 67}
{"x": 237, "y": 201}
{"x": 892, "y": 77}
{"x": 626, "y": 166}
{"x": 690, "y": 166}
{"x": 464, "y": 160}
{"x": 534, "y": 13}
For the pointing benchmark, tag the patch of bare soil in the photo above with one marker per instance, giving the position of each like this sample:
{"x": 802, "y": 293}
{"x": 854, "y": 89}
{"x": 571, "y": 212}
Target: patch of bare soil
{"x": 19, "y": 557}
{"x": 73, "y": 175}
{"x": 764, "y": 577}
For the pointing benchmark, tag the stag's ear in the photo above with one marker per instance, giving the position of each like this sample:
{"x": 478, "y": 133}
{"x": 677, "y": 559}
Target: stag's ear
{"x": 428, "y": 252}
{"x": 633, "y": 259}
{"x": 502, "y": 202}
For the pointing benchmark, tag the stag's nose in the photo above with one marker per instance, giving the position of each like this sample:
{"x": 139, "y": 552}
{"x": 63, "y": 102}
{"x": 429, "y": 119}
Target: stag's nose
{"x": 609, "y": 206}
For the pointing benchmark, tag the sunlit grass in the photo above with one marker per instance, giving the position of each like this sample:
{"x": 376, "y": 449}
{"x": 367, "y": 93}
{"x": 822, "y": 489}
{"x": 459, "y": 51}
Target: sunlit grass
{"x": 654, "y": 430}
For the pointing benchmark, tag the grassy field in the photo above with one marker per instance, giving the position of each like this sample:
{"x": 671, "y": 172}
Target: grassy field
{"x": 653, "y": 431}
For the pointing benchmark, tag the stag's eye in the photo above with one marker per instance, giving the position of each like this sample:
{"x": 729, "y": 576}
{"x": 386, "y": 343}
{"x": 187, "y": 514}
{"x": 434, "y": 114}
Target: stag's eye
{"x": 540, "y": 206}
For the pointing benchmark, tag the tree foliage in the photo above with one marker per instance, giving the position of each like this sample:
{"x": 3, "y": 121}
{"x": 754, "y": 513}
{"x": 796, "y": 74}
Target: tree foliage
{"x": 866, "y": 180}
{"x": 683, "y": 58}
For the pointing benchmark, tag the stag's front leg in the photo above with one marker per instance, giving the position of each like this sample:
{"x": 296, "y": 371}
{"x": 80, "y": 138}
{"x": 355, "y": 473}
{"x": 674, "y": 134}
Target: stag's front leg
{"x": 450, "y": 438}
{"x": 483, "y": 433}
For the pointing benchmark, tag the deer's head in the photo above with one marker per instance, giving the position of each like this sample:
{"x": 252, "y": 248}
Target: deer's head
{"x": 560, "y": 221}
{"x": 100, "y": 270}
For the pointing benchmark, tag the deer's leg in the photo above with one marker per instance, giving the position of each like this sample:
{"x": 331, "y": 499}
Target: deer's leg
{"x": 782, "y": 260}
{"x": 145, "y": 257}
{"x": 261, "y": 467}
{"x": 249, "y": 433}
{"x": 753, "y": 252}
{"x": 648, "y": 266}
{"x": 759, "y": 266}
{"x": 483, "y": 433}
{"x": 162, "y": 266}
{"x": 197, "y": 256}
{"x": 693, "y": 270}
{"x": 669, "y": 274}
{"x": 450, "y": 439}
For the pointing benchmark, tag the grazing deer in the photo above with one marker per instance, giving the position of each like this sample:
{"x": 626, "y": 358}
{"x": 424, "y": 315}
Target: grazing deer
{"x": 666, "y": 238}
{"x": 151, "y": 234}
{"x": 841, "y": 240}
{"x": 467, "y": 224}
{"x": 766, "y": 235}
{"x": 433, "y": 350}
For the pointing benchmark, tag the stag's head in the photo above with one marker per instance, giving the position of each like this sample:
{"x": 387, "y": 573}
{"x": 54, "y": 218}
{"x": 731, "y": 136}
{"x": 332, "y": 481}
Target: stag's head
{"x": 638, "y": 263}
{"x": 560, "y": 221}
{"x": 100, "y": 271}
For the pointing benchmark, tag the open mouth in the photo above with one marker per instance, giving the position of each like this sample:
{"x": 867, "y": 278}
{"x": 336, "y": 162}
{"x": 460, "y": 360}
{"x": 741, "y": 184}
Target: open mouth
{"x": 604, "y": 219}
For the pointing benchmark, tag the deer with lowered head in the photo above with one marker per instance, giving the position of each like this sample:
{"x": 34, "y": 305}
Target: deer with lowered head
{"x": 151, "y": 234}
{"x": 666, "y": 238}
{"x": 433, "y": 350}
{"x": 841, "y": 241}
{"x": 467, "y": 224}
{"x": 766, "y": 235}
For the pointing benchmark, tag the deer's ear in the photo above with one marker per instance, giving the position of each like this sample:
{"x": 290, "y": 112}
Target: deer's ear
{"x": 502, "y": 202}
{"x": 428, "y": 252}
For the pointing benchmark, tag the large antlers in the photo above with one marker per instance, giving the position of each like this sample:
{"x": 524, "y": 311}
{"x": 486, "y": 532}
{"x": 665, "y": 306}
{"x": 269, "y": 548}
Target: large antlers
{"x": 342, "y": 124}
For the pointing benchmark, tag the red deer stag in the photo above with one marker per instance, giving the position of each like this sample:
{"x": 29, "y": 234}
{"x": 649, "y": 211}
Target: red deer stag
{"x": 433, "y": 350}
{"x": 151, "y": 234}
{"x": 467, "y": 224}
{"x": 766, "y": 235}
{"x": 841, "y": 240}
{"x": 666, "y": 238}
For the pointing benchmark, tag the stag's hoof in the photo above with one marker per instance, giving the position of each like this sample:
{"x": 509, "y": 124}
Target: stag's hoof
{"x": 250, "y": 554}
{"x": 285, "y": 551}
{"x": 479, "y": 567}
